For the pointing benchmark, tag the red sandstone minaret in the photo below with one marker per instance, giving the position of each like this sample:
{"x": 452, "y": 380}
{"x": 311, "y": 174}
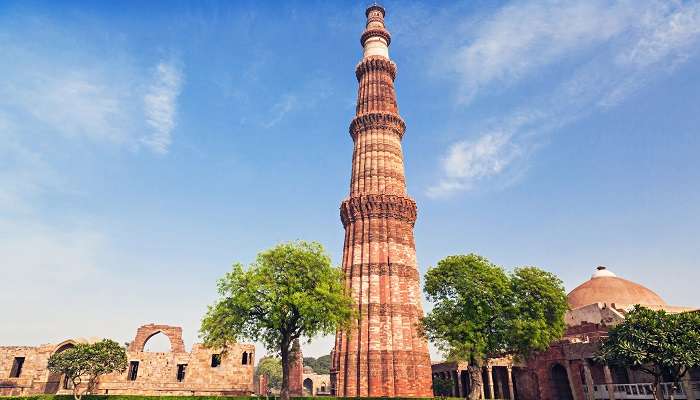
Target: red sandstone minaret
{"x": 383, "y": 355}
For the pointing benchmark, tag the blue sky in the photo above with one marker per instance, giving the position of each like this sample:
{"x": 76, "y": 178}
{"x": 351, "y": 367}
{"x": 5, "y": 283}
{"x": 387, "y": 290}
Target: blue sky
{"x": 144, "y": 147}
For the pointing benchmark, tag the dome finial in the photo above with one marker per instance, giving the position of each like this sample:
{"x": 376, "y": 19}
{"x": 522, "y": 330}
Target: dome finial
{"x": 602, "y": 271}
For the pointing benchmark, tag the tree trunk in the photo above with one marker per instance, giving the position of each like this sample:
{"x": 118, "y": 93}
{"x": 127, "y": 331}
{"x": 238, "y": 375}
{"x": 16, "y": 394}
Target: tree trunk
{"x": 76, "y": 389}
{"x": 477, "y": 384}
{"x": 657, "y": 393}
{"x": 284, "y": 352}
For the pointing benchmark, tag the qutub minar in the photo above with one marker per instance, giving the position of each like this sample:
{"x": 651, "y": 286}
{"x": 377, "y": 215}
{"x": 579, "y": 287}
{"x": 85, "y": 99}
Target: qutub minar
{"x": 384, "y": 354}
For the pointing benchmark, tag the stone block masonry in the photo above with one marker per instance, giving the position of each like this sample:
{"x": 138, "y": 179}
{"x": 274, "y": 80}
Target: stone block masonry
{"x": 200, "y": 372}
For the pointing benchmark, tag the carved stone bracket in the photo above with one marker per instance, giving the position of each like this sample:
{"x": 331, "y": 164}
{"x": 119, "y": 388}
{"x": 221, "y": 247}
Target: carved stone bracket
{"x": 375, "y": 63}
{"x": 377, "y": 120}
{"x": 378, "y": 206}
{"x": 383, "y": 33}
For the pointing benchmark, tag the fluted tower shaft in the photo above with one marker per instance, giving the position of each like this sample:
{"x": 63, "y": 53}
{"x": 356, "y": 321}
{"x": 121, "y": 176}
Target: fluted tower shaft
{"x": 383, "y": 355}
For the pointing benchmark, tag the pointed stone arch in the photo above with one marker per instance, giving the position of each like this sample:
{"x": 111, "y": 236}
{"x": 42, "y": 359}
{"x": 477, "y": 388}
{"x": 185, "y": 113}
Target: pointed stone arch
{"x": 57, "y": 382}
{"x": 145, "y": 332}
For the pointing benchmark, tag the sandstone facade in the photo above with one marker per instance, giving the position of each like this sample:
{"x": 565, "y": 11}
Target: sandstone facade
{"x": 150, "y": 373}
{"x": 383, "y": 355}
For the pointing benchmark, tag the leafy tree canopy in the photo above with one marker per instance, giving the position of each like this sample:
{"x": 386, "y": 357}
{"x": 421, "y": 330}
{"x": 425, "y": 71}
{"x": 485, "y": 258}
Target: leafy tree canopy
{"x": 321, "y": 365}
{"x": 290, "y": 291}
{"x": 88, "y": 362}
{"x": 272, "y": 367}
{"x": 656, "y": 342}
{"x": 481, "y": 311}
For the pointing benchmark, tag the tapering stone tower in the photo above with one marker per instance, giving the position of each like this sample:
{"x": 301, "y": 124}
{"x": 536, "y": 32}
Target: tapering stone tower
{"x": 383, "y": 355}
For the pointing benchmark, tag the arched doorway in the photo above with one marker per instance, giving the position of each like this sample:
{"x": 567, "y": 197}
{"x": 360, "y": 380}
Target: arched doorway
{"x": 309, "y": 386}
{"x": 561, "y": 390}
{"x": 56, "y": 382}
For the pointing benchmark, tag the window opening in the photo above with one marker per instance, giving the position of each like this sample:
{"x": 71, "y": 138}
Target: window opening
{"x": 133, "y": 370}
{"x": 215, "y": 360}
{"x": 17, "y": 367}
{"x": 181, "y": 372}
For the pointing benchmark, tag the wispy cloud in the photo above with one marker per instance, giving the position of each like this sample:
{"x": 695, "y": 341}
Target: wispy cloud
{"x": 160, "y": 104}
{"x": 82, "y": 92}
{"x": 619, "y": 46}
{"x": 505, "y": 49}
{"x": 286, "y": 104}
{"x": 310, "y": 93}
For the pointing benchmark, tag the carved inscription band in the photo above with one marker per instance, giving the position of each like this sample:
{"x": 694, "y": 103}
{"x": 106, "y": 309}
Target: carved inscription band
{"x": 391, "y": 269}
{"x": 390, "y": 310}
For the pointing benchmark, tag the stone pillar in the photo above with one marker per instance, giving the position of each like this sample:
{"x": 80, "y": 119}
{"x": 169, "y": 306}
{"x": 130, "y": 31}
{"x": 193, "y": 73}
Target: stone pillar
{"x": 572, "y": 381}
{"x": 296, "y": 371}
{"x": 511, "y": 392}
{"x": 457, "y": 392}
{"x": 609, "y": 382}
{"x": 489, "y": 376}
{"x": 688, "y": 387}
{"x": 589, "y": 380}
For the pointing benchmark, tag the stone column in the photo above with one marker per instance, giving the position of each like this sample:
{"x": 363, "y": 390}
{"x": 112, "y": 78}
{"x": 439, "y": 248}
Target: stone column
{"x": 688, "y": 387}
{"x": 572, "y": 381}
{"x": 457, "y": 391}
{"x": 589, "y": 380}
{"x": 609, "y": 382}
{"x": 489, "y": 376}
{"x": 511, "y": 392}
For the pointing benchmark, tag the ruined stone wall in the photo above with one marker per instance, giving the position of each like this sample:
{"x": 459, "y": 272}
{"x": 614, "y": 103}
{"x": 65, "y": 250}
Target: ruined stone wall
{"x": 157, "y": 371}
{"x": 34, "y": 375}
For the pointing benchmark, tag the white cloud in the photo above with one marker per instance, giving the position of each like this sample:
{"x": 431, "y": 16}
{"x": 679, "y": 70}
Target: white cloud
{"x": 161, "y": 106}
{"x": 79, "y": 92}
{"x": 523, "y": 36}
{"x": 630, "y": 46}
{"x": 667, "y": 29}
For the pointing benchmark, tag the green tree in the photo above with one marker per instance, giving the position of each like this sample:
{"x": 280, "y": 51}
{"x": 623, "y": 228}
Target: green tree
{"x": 442, "y": 387}
{"x": 655, "y": 342}
{"x": 321, "y": 365}
{"x": 482, "y": 312}
{"x": 272, "y": 367}
{"x": 88, "y": 362}
{"x": 290, "y": 291}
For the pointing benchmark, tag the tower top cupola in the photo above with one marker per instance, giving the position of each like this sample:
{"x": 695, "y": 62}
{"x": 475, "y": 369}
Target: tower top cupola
{"x": 376, "y": 38}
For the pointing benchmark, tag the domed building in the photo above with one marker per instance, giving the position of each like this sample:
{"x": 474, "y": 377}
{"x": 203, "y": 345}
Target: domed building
{"x": 606, "y": 287}
{"x": 605, "y": 298}
{"x": 567, "y": 370}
